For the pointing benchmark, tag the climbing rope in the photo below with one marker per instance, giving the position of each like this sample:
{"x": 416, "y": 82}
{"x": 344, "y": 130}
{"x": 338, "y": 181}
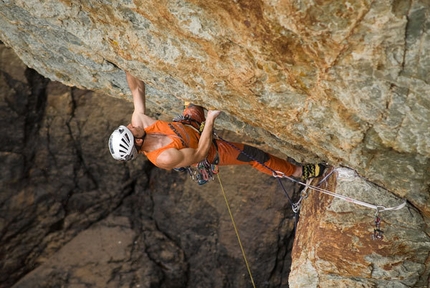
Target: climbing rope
{"x": 296, "y": 206}
{"x": 236, "y": 231}
{"x": 379, "y": 208}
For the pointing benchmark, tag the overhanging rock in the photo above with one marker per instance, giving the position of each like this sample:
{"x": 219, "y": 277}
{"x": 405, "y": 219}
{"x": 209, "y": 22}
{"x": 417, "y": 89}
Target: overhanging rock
{"x": 340, "y": 81}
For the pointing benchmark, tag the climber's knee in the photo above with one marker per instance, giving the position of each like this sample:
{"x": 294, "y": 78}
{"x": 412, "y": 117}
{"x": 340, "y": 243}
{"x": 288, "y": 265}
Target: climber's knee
{"x": 255, "y": 154}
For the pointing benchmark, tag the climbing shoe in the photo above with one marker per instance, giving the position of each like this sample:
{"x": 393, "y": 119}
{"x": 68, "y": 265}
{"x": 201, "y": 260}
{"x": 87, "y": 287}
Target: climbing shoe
{"x": 312, "y": 171}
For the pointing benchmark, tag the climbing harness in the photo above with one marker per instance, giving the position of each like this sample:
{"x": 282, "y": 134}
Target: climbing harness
{"x": 204, "y": 171}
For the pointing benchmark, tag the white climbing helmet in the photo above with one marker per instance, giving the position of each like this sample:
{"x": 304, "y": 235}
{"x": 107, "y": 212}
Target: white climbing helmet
{"x": 121, "y": 144}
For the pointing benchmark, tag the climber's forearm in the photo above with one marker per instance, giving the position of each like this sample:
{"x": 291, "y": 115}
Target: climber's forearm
{"x": 137, "y": 88}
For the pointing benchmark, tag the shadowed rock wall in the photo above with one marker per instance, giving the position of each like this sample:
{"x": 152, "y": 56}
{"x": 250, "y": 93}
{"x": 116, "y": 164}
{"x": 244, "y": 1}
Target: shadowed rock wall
{"x": 72, "y": 216}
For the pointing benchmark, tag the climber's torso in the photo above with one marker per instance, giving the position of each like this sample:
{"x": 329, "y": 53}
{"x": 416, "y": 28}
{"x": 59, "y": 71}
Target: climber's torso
{"x": 164, "y": 140}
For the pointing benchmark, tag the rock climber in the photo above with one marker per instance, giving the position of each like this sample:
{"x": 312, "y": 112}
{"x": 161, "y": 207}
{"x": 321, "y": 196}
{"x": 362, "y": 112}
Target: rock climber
{"x": 188, "y": 142}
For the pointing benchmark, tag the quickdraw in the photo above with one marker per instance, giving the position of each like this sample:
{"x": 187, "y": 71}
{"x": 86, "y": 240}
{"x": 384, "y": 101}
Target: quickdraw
{"x": 377, "y": 232}
{"x": 303, "y": 195}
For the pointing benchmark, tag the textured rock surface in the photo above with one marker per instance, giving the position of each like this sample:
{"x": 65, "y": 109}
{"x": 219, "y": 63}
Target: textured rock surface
{"x": 342, "y": 81}
{"x": 334, "y": 246}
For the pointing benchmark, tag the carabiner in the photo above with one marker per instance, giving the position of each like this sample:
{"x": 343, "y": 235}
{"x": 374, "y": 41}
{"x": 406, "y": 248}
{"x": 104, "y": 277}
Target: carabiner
{"x": 278, "y": 174}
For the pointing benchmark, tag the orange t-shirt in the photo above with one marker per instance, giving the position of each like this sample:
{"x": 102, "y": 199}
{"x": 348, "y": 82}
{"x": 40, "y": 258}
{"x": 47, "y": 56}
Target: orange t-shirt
{"x": 183, "y": 136}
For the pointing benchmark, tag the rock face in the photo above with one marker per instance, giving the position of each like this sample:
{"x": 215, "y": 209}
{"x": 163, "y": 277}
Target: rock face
{"x": 341, "y": 81}
{"x": 336, "y": 244}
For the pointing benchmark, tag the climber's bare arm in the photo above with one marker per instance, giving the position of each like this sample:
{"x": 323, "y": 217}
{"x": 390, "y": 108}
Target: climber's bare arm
{"x": 139, "y": 117}
{"x": 173, "y": 158}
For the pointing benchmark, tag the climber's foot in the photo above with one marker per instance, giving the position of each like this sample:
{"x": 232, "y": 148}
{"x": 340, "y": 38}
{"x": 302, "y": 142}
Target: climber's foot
{"x": 312, "y": 171}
